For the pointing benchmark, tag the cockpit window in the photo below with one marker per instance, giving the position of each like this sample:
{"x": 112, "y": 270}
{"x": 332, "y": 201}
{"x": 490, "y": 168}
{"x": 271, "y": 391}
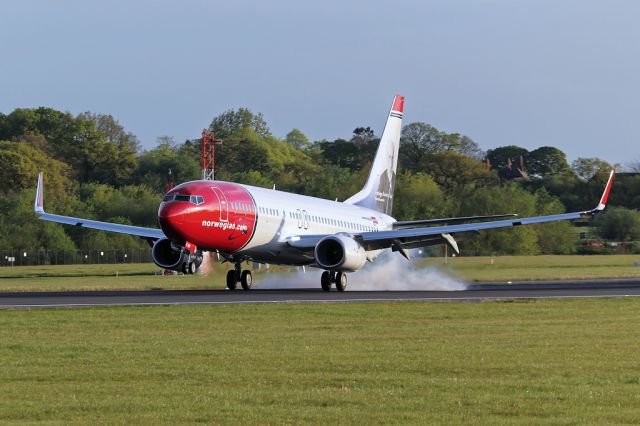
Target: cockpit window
{"x": 197, "y": 199}
{"x": 193, "y": 199}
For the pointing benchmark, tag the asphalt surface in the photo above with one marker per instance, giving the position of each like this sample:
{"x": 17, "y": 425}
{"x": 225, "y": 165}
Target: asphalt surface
{"x": 475, "y": 292}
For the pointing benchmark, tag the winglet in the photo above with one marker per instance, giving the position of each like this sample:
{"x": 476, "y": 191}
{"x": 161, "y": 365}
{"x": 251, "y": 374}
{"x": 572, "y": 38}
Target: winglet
{"x": 605, "y": 195}
{"x": 37, "y": 206}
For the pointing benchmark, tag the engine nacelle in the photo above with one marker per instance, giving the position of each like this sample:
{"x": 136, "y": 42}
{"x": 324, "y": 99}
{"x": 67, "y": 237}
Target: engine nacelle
{"x": 168, "y": 255}
{"x": 340, "y": 252}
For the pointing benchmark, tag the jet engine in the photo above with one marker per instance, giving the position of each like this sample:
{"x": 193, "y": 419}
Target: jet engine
{"x": 169, "y": 255}
{"x": 340, "y": 252}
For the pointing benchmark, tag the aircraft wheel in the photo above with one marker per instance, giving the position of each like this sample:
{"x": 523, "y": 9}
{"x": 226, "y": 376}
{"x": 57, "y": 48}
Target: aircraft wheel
{"x": 325, "y": 281}
{"x": 192, "y": 268}
{"x": 232, "y": 279}
{"x": 246, "y": 280}
{"x": 341, "y": 281}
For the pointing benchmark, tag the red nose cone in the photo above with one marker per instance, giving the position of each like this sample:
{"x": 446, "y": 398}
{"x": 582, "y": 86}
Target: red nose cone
{"x": 171, "y": 217}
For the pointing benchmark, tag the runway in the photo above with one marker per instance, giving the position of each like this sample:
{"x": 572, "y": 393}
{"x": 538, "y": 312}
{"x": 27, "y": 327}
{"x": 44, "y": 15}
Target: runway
{"x": 475, "y": 292}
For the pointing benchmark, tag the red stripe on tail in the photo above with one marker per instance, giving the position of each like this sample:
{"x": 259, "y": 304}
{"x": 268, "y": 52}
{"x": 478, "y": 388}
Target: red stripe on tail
{"x": 398, "y": 104}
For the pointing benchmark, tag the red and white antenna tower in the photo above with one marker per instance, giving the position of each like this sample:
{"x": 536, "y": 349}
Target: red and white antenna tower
{"x": 209, "y": 142}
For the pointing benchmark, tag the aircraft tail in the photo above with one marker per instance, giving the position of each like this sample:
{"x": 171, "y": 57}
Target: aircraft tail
{"x": 377, "y": 193}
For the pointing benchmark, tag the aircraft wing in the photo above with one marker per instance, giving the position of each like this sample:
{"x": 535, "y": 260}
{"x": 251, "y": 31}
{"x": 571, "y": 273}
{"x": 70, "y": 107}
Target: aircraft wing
{"x": 402, "y": 239}
{"x": 139, "y": 231}
{"x": 448, "y": 220}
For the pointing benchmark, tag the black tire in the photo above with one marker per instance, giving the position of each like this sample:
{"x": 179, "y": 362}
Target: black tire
{"x": 232, "y": 279}
{"x": 325, "y": 281}
{"x": 246, "y": 280}
{"x": 341, "y": 281}
{"x": 192, "y": 268}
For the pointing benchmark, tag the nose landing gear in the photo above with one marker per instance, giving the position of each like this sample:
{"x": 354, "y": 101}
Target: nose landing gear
{"x": 237, "y": 274}
{"x": 338, "y": 278}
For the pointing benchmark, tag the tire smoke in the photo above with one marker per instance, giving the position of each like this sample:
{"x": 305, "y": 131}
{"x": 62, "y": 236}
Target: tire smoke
{"x": 208, "y": 263}
{"x": 389, "y": 272}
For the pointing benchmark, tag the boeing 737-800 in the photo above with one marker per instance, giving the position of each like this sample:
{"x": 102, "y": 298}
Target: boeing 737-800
{"x": 242, "y": 222}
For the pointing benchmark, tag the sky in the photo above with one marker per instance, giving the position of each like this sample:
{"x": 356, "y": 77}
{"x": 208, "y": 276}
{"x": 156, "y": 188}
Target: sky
{"x": 503, "y": 72}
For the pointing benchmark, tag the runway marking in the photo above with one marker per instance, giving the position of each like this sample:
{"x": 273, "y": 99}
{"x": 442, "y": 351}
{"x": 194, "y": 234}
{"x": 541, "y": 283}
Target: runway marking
{"x": 295, "y": 301}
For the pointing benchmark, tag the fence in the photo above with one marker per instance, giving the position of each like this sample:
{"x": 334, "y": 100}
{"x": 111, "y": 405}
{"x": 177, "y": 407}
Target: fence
{"x": 73, "y": 257}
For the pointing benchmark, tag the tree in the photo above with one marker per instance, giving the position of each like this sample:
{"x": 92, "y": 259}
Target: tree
{"x": 417, "y": 196}
{"x": 545, "y": 161}
{"x": 107, "y": 155}
{"x": 155, "y": 165}
{"x": 619, "y": 224}
{"x": 420, "y": 139}
{"x": 501, "y": 156}
{"x": 416, "y": 141}
{"x": 362, "y": 135}
{"x": 553, "y": 237}
{"x": 297, "y": 139}
{"x": 331, "y": 182}
{"x": 451, "y": 170}
{"x": 20, "y": 164}
{"x": 23, "y": 228}
{"x": 230, "y": 121}
{"x": 112, "y": 131}
{"x": 521, "y": 240}
{"x": 134, "y": 204}
{"x": 586, "y": 168}
{"x": 342, "y": 153}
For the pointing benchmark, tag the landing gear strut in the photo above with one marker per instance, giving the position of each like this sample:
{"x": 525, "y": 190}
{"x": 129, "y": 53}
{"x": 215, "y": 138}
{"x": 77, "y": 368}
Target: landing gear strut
{"x": 237, "y": 274}
{"x": 338, "y": 278}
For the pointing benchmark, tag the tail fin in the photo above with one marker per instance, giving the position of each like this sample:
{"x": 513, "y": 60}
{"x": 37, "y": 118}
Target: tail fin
{"x": 377, "y": 193}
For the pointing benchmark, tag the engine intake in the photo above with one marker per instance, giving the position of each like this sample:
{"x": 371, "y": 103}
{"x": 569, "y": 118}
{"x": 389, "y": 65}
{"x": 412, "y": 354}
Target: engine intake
{"x": 340, "y": 252}
{"x": 169, "y": 255}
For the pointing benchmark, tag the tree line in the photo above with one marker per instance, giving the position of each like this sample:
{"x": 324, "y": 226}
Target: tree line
{"x": 96, "y": 169}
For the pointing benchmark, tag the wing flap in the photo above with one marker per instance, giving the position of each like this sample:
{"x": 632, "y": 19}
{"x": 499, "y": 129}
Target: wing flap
{"x": 448, "y": 220}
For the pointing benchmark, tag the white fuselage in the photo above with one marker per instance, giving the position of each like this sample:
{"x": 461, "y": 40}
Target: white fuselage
{"x": 282, "y": 215}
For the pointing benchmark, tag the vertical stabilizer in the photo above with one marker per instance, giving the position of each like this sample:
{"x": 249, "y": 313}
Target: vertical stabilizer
{"x": 377, "y": 193}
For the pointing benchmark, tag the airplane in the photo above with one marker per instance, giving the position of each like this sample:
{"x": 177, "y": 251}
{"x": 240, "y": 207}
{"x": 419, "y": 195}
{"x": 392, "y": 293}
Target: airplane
{"x": 247, "y": 223}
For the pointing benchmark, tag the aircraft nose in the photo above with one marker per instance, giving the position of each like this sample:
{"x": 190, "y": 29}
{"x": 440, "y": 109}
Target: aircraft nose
{"x": 171, "y": 217}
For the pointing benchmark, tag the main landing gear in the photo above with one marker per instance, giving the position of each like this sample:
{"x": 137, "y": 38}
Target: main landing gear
{"x": 338, "y": 278}
{"x": 237, "y": 274}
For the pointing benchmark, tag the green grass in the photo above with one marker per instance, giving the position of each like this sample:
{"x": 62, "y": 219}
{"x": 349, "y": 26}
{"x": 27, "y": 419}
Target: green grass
{"x": 122, "y": 269}
{"x": 536, "y": 362}
{"x": 524, "y": 268}
{"x": 145, "y": 276}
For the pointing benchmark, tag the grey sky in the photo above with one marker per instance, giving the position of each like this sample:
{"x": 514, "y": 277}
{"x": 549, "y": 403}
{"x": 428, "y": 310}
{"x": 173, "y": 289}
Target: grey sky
{"x": 529, "y": 73}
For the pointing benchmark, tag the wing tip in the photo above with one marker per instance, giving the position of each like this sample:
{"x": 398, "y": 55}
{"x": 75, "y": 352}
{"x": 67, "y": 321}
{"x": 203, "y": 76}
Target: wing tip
{"x": 38, "y": 206}
{"x": 605, "y": 195}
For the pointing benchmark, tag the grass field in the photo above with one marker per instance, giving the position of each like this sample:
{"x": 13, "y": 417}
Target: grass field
{"x": 145, "y": 276}
{"x": 534, "y": 362}
{"x": 524, "y": 268}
